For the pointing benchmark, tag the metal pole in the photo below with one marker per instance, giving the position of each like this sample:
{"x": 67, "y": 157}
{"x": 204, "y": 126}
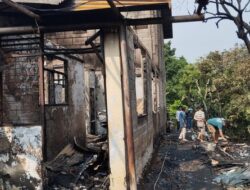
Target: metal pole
{"x": 187, "y": 18}
{"x": 56, "y": 28}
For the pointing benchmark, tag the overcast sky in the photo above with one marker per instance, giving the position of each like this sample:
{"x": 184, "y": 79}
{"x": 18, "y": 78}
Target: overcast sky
{"x": 197, "y": 39}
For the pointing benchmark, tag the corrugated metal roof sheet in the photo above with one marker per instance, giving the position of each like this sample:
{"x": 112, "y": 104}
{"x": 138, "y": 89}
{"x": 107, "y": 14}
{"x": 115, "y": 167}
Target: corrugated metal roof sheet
{"x": 99, "y": 4}
{"x": 49, "y": 2}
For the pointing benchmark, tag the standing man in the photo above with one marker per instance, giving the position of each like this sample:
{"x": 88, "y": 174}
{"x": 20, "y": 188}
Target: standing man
{"x": 177, "y": 117}
{"x": 189, "y": 116}
{"x": 214, "y": 126}
{"x": 183, "y": 125}
{"x": 200, "y": 119}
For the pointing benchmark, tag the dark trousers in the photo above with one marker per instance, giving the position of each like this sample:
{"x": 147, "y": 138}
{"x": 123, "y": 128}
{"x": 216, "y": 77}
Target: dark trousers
{"x": 178, "y": 125}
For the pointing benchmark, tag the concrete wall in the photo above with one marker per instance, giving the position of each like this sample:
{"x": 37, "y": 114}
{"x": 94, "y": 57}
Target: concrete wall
{"x": 20, "y": 157}
{"x": 101, "y": 110}
{"x": 66, "y": 122}
{"x": 20, "y": 130}
{"x": 20, "y": 91}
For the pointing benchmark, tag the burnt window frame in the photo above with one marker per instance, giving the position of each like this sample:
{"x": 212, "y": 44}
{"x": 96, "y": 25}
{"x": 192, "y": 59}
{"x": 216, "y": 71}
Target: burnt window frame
{"x": 53, "y": 72}
{"x": 143, "y": 69}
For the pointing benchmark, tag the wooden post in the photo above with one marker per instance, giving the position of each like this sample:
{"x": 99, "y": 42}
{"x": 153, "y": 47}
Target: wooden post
{"x": 41, "y": 95}
{"x": 129, "y": 139}
{"x": 121, "y": 142}
{"x": 113, "y": 71}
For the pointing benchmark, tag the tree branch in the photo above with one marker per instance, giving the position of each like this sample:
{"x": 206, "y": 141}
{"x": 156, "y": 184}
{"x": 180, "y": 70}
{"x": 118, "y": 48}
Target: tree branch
{"x": 232, "y": 10}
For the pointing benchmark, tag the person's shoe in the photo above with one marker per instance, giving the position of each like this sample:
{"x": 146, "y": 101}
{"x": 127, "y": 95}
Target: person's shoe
{"x": 185, "y": 140}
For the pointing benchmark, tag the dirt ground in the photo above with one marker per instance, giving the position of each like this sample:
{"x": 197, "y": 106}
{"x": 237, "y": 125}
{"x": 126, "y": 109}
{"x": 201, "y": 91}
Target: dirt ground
{"x": 182, "y": 165}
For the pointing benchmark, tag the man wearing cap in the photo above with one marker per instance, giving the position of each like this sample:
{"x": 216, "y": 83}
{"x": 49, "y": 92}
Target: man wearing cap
{"x": 215, "y": 126}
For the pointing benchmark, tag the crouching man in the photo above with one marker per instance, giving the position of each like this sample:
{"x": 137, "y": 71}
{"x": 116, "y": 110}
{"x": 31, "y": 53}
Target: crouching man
{"x": 215, "y": 126}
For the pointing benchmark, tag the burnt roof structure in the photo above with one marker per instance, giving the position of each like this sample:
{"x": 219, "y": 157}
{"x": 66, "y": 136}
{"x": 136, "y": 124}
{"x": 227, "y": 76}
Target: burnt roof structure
{"x": 16, "y": 18}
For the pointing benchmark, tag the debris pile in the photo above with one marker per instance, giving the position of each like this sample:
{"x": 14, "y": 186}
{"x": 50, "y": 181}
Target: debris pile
{"x": 80, "y": 168}
{"x": 231, "y": 163}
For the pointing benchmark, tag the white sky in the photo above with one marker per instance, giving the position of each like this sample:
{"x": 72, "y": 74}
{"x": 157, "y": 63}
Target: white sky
{"x": 197, "y": 39}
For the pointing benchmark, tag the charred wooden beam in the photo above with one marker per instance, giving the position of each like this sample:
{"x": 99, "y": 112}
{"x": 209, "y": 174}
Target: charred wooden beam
{"x": 22, "y": 9}
{"x": 67, "y": 51}
{"x": 160, "y": 20}
{"x": 14, "y": 39}
{"x": 18, "y": 30}
{"x": 144, "y": 21}
{"x": 167, "y": 23}
{"x": 59, "y": 28}
{"x": 92, "y": 38}
{"x": 115, "y": 9}
{"x": 7, "y": 50}
{"x": 97, "y": 52}
{"x": 129, "y": 136}
{"x": 146, "y": 7}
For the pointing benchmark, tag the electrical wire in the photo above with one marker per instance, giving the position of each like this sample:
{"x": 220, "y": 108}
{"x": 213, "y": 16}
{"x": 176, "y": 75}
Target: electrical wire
{"x": 160, "y": 172}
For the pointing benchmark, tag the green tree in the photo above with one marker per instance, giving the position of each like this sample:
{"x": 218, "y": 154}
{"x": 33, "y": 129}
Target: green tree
{"x": 219, "y": 81}
{"x": 181, "y": 76}
{"x": 229, "y": 88}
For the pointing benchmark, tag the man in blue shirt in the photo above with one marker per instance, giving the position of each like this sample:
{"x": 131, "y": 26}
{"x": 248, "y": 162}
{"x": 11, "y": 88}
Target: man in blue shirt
{"x": 182, "y": 120}
{"x": 215, "y": 126}
{"x": 177, "y": 118}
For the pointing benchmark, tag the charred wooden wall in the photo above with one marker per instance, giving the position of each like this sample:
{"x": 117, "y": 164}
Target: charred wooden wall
{"x": 149, "y": 126}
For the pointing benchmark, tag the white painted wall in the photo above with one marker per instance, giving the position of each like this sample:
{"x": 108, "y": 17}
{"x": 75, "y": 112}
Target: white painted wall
{"x": 21, "y": 157}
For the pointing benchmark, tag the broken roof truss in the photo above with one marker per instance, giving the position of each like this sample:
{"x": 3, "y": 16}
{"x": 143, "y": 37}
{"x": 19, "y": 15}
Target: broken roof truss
{"x": 25, "y": 18}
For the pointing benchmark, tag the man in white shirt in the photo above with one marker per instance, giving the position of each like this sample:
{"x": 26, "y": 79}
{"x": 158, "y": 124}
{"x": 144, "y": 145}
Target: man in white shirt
{"x": 200, "y": 119}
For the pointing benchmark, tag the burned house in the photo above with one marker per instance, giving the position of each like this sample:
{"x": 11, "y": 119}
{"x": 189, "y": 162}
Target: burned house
{"x": 71, "y": 70}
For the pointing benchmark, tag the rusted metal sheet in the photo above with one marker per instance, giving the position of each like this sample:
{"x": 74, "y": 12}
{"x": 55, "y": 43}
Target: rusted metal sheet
{"x": 93, "y": 4}
{"x": 20, "y": 157}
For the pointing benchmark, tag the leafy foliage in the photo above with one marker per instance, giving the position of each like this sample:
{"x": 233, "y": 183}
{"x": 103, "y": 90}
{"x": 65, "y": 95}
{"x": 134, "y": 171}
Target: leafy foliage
{"x": 219, "y": 81}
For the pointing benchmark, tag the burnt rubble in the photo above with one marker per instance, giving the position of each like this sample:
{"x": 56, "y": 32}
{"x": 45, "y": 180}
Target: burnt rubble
{"x": 231, "y": 163}
{"x": 80, "y": 168}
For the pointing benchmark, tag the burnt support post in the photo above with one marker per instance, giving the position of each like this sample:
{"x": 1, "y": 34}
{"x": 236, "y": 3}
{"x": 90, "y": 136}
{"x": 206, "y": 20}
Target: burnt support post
{"x": 113, "y": 71}
{"x": 121, "y": 151}
{"x": 129, "y": 137}
{"x": 41, "y": 95}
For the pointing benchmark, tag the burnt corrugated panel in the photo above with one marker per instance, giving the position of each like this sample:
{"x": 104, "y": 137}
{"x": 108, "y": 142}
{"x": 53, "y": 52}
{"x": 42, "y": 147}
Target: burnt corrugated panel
{"x": 99, "y": 4}
{"x": 49, "y": 2}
